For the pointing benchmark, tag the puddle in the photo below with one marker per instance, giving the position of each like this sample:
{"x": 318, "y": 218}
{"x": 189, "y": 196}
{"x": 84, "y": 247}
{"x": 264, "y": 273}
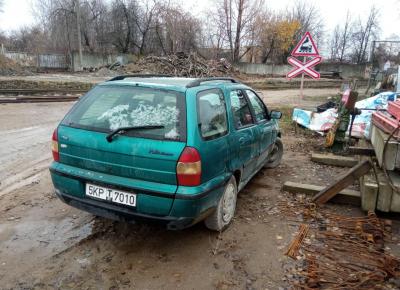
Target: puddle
{"x": 34, "y": 237}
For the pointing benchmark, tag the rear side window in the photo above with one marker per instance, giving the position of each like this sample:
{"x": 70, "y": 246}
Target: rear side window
{"x": 212, "y": 114}
{"x": 107, "y": 108}
{"x": 240, "y": 109}
{"x": 258, "y": 106}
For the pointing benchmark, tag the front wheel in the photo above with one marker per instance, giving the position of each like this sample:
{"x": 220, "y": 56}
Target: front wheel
{"x": 220, "y": 219}
{"x": 275, "y": 157}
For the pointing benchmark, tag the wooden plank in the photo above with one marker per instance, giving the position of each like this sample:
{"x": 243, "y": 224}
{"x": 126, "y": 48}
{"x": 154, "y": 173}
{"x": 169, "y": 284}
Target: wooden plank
{"x": 362, "y": 151}
{"x": 346, "y": 196}
{"x": 335, "y": 160}
{"x": 353, "y": 174}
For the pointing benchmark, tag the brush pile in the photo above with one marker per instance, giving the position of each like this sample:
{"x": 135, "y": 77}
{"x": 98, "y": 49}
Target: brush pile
{"x": 183, "y": 65}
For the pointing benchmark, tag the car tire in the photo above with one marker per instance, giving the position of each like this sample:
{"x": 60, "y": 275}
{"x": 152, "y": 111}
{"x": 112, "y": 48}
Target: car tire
{"x": 223, "y": 215}
{"x": 275, "y": 157}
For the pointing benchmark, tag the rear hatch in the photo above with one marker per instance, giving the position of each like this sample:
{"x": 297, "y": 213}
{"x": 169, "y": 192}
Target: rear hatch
{"x": 148, "y": 156}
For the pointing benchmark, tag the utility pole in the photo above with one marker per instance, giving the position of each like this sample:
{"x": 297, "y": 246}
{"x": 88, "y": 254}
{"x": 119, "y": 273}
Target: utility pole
{"x": 78, "y": 27}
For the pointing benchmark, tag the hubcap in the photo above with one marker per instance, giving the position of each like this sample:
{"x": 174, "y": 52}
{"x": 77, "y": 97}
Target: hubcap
{"x": 228, "y": 203}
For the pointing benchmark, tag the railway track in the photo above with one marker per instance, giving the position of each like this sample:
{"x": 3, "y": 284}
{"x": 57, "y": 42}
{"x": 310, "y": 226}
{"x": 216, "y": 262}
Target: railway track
{"x": 41, "y": 91}
{"x": 38, "y": 95}
{"x": 37, "y": 99}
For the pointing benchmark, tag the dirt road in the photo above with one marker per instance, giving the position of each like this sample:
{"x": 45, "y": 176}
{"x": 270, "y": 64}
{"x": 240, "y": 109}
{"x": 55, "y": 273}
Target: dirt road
{"x": 45, "y": 244}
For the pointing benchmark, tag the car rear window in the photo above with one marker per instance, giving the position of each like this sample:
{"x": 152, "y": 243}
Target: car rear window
{"x": 107, "y": 108}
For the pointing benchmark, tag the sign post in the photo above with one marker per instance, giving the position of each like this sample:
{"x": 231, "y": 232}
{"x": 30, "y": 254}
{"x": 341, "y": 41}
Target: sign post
{"x": 302, "y": 80}
{"x": 307, "y": 49}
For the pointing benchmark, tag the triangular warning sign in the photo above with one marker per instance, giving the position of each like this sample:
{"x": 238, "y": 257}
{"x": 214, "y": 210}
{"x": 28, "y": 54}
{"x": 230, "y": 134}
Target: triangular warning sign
{"x": 305, "y": 47}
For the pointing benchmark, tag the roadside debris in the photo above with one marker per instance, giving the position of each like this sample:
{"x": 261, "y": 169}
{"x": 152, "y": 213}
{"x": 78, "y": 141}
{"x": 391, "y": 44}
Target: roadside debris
{"x": 322, "y": 122}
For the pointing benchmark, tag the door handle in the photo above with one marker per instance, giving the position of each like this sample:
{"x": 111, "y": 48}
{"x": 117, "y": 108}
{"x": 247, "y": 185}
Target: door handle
{"x": 242, "y": 140}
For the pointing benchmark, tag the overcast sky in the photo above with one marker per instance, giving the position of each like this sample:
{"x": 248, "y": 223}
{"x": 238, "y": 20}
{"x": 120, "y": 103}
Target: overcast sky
{"x": 18, "y": 13}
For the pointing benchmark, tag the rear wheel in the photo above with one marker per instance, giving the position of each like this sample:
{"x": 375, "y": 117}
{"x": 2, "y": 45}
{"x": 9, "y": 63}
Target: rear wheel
{"x": 275, "y": 157}
{"x": 225, "y": 211}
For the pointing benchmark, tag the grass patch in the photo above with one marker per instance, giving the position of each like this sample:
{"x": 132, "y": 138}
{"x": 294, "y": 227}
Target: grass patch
{"x": 285, "y": 123}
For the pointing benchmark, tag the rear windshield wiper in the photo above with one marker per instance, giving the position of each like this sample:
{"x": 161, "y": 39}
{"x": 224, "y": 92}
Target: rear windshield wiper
{"x": 122, "y": 130}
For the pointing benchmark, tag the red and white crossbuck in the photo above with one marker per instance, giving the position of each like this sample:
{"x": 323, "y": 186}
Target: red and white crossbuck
{"x": 301, "y": 67}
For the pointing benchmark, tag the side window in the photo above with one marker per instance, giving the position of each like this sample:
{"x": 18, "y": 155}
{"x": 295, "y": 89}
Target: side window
{"x": 258, "y": 106}
{"x": 240, "y": 109}
{"x": 212, "y": 114}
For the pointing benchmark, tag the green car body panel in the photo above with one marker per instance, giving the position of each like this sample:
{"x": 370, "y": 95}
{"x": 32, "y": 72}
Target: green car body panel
{"x": 148, "y": 167}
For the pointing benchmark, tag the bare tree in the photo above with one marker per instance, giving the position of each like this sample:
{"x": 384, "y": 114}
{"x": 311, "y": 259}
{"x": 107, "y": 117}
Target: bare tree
{"x": 335, "y": 44}
{"x": 341, "y": 40}
{"x": 345, "y": 37}
{"x": 363, "y": 35}
{"x": 308, "y": 17}
{"x": 236, "y": 18}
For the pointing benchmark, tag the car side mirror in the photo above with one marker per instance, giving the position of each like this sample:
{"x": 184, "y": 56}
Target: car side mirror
{"x": 275, "y": 115}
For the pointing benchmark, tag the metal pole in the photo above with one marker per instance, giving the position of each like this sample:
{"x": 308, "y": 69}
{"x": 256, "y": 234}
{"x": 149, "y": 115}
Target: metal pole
{"x": 78, "y": 27}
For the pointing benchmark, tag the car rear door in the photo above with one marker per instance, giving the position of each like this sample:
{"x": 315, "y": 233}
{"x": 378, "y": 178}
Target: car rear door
{"x": 266, "y": 131}
{"x": 243, "y": 138}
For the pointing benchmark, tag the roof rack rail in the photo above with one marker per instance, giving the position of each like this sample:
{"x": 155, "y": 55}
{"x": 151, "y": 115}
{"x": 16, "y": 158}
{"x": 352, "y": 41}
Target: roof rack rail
{"x": 122, "y": 77}
{"x": 197, "y": 82}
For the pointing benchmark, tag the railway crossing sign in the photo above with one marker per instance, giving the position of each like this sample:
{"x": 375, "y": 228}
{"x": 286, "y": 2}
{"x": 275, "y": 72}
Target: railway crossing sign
{"x": 306, "y": 47}
{"x": 309, "y": 51}
{"x": 305, "y": 67}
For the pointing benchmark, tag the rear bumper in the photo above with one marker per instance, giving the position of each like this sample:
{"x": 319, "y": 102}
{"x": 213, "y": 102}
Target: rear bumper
{"x": 178, "y": 209}
{"x": 115, "y": 212}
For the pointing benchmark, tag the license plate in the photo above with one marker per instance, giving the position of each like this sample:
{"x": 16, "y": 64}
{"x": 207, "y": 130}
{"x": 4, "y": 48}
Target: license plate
{"x": 110, "y": 194}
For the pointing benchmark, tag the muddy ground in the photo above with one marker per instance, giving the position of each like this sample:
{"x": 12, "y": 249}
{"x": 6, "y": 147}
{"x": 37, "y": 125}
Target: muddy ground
{"x": 45, "y": 244}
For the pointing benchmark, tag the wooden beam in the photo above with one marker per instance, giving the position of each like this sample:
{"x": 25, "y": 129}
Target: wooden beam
{"x": 353, "y": 174}
{"x": 346, "y": 196}
{"x": 334, "y": 160}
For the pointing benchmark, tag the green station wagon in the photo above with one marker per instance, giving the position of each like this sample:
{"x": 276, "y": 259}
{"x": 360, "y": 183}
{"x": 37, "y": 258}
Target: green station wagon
{"x": 174, "y": 150}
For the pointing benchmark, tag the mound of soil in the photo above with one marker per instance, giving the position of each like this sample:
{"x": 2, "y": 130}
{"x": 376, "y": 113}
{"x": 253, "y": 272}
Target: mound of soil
{"x": 9, "y": 67}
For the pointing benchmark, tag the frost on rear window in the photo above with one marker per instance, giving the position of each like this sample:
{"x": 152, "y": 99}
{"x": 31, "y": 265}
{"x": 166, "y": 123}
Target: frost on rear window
{"x": 143, "y": 115}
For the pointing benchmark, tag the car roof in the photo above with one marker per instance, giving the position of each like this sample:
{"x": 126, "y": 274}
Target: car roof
{"x": 173, "y": 83}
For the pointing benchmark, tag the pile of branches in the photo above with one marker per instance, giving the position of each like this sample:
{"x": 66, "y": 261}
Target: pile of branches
{"x": 181, "y": 64}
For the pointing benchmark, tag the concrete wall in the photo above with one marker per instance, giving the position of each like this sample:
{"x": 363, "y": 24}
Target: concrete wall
{"x": 347, "y": 70}
{"x": 63, "y": 61}
{"x": 91, "y": 60}
{"x": 263, "y": 69}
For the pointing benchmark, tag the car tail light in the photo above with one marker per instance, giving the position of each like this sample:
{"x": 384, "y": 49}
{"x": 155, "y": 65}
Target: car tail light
{"x": 188, "y": 169}
{"x": 54, "y": 146}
